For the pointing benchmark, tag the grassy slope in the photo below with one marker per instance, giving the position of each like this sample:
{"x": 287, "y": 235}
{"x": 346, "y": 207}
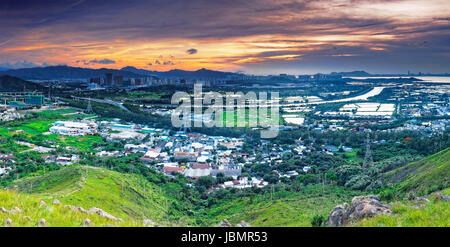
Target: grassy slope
{"x": 55, "y": 215}
{"x": 292, "y": 209}
{"x": 424, "y": 176}
{"x": 122, "y": 195}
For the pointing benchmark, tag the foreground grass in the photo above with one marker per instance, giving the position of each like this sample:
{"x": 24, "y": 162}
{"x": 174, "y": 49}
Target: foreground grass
{"x": 409, "y": 214}
{"x": 55, "y": 215}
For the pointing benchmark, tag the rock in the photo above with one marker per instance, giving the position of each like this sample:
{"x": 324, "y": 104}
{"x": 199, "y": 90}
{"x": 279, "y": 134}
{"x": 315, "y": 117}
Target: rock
{"x": 28, "y": 218}
{"x": 361, "y": 207}
{"x": 56, "y": 202}
{"x": 224, "y": 223}
{"x": 4, "y": 210}
{"x": 42, "y": 203}
{"x": 148, "y": 223}
{"x": 337, "y": 215}
{"x": 421, "y": 200}
{"x": 8, "y": 223}
{"x": 102, "y": 213}
{"x": 15, "y": 210}
{"x": 81, "y": 209}
{"x": 86, "y": 222}
{"x": 109, "y": 225}
{"x": 441, "y": 197}
{"x": 42, "y": 223}
{"x": 243, "y": 224}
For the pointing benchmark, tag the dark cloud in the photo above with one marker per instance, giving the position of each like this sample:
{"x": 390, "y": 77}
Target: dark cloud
{"x": 22, "y": 64}
{"x": 422, "y": 40}
{"x": 102, "y": 61}
{"x": 191, "y": 51}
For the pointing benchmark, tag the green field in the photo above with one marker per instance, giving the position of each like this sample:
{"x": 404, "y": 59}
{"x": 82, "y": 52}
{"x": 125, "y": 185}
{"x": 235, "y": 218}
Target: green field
{"x": 233, "y": 118}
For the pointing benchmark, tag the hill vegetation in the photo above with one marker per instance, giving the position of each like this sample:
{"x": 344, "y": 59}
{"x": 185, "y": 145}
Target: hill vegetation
{"x": 421, "y": 177}
{"x": 14, "y": 84}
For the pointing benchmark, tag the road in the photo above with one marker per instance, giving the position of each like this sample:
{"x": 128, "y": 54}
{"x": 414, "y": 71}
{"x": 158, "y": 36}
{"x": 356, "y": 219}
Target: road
{"x": 110, "y": 102}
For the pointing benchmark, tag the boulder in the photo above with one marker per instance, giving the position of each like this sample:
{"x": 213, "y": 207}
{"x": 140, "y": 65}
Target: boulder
{"x": 148, "y": 223}
{"x": 27, "y": 218}
{"x": 102, "y": 213}
{"x": 224, "y": 223}
{"x": 4, "y": 210}
{"x": 82, "y": 210}
{"x": 86, "y": 222}
{"x": 243, "y": 224}
{"x": 15, "y": 210}
{"x": 42, "y": 203}
{"x": 8, "y": 223}
{"x": 42, "y": 223}
{"x": 337, "y": 215}
{"x": 56, "y": 202}
{"x": 361, "y": 207}
{"x": 441, "y": 197}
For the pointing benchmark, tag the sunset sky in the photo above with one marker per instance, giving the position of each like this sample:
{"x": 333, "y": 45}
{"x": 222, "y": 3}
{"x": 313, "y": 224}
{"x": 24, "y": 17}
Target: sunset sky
{"x": 253, "y": 36}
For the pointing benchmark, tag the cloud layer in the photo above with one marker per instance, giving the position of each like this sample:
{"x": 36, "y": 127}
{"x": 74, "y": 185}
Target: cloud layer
{"x": 257, "y": 36}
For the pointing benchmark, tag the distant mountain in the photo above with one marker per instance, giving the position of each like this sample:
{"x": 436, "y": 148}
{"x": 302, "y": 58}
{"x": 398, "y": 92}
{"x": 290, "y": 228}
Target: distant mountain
{"x": 3, "y": 69}
{"x": 201, "y": 73}
{"x": 64, "y": 72}
{"x": 352, "y": 74}
{"x": 14, "y": 84}
{"x": 67, "y": 72}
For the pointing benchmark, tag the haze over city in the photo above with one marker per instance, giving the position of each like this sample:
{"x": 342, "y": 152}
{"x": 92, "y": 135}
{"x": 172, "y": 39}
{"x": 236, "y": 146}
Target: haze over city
{"x": 257, "y": 37}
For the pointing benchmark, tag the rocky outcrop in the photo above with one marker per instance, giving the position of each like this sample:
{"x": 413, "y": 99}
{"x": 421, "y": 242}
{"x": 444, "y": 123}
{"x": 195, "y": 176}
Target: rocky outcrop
{"x": 441, "y": 197}
{"x": 148, "y": 223}
{"x": 243, "y": 224}
{"x": 15, "y": 210}
{"x": 86, "y": 223}
{"x": 94, "y": 210}
{"x": 224, "y": 223}
{"x": 8, "y": 223}
{"x": 42, "y": 223}
{"x": 102, "y": 213}
{"x": 361, "y": 207}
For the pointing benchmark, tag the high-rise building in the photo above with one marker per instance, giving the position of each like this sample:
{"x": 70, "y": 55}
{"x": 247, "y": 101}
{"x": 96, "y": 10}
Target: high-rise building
{"x": 108, "y": 79}
{"x": 118, "y": 80}
{"x": 137, "y": 81}
{"x": 95, "y": 80}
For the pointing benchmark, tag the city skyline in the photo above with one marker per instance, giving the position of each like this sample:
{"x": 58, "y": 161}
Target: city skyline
{"x": 255, "y": 37}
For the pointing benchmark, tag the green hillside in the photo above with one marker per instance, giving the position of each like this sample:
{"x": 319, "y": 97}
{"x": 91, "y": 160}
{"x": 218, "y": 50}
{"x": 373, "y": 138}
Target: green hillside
{"x": 421, "y": 177}
{"x": 28, "y": 211}
{"x": 122, "y": 195}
